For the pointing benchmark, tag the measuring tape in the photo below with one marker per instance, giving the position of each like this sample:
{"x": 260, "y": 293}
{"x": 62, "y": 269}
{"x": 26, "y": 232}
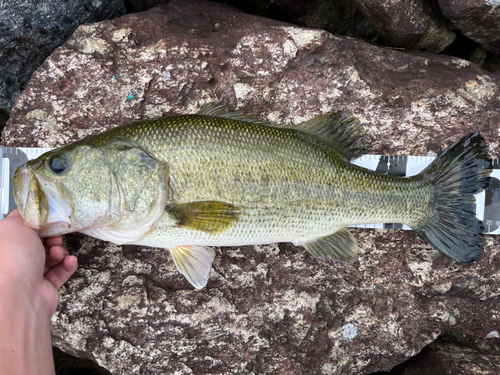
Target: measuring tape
{"x": 487, "y": 202}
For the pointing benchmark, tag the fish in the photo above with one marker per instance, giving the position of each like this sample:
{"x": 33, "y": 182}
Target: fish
{"x": 218, "y": 177}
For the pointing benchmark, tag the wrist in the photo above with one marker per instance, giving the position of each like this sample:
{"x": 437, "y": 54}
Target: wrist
{"x": 25, "y": 336}
{"x": 17, "y": 296}
{"x": 17, "y": 302}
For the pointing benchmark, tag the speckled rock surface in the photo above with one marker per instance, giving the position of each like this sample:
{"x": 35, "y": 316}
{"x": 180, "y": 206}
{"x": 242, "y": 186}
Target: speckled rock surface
{"x": 269, "y": 309}
{"x": 409, "y": 23}
{"x": 479, "y": 20}
{"x": 31, "y": 30}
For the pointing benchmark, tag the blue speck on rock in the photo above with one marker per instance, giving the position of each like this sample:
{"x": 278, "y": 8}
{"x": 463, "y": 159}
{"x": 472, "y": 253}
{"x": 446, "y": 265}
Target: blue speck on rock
{"x": 349, "y": 331}
{"x": 130, "y": 95}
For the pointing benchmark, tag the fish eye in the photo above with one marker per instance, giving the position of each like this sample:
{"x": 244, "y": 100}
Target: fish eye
{"x": 58, "y": 163}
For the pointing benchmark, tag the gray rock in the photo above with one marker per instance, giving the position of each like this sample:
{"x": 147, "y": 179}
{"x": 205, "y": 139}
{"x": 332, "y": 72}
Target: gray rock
{"x": 31, "y": 30}
{"x": 409, "y": 23}
{"x": 267, "y": 309}
{"x": 479, "y": 20}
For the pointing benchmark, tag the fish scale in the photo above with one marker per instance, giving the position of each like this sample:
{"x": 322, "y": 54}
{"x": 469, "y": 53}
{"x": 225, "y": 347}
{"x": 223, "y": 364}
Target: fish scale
{"x": 303, "y": 197}
{"x": 220, "y": 178}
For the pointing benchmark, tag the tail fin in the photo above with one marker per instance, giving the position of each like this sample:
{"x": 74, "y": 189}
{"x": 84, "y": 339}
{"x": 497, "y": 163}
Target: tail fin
{"x": 457, "y": 174}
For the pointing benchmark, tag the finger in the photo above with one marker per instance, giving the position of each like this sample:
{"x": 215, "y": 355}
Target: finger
{"x": 62, "y": 272}
{"x": 14, "y": 221}
{"x": 14, "y": 215}
{"x": 53, "y": 241}
{"x": 55, "y": 256}
{"x": 15, "y": 218}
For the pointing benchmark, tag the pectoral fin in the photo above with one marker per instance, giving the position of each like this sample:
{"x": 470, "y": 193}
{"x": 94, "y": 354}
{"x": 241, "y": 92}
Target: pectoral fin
{"x": 208, "y": 216}
{"x": 194, "y": 262}
{"x": 341, "y": 246}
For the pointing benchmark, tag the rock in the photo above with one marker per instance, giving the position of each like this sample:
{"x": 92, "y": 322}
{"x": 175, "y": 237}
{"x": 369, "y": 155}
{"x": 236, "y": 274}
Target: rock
{"x": 337, "y": 17}
{"x": 492, "y": 63}
{"x": 31, "y": 30}
{"x": 134, "y": 6}
{"x": 66, "y": 364}
{"x": 454, "y": 353}
{"x": 4, "y": 116}
{"x": 408, "y": 23}
{"x": 479, "y": 20}
{"x": 478, "y": 56}
{"x": 274, "y": 308}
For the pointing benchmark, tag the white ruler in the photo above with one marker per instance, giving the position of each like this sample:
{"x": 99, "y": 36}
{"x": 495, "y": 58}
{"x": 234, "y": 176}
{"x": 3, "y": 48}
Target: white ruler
{"x": 487, "y": 202}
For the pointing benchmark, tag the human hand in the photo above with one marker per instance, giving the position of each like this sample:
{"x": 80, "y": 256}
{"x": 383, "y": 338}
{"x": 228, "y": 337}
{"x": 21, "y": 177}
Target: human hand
{"x": 32, "y": 267}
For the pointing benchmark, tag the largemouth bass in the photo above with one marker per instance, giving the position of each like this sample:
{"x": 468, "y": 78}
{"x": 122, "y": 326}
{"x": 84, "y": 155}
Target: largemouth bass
{"x": 221, "y": 178}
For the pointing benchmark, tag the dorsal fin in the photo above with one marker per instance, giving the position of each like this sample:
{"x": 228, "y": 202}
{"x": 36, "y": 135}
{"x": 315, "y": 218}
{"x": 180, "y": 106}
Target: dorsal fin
{"x": 340, "y": 130}
{"x": 222, "y": 110}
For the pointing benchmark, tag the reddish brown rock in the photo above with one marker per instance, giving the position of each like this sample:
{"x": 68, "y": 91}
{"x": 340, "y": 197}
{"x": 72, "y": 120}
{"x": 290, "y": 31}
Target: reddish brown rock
{"x": 409, "y": 23}
{"x": 479, "y": 20}
{"x": 267, "y": 309}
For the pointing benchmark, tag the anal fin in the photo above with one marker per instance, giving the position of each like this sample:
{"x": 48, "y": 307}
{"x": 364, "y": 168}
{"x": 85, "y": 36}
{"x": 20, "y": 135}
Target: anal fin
{"x": 194, "y": 262}
{"x": 341, "y": 246}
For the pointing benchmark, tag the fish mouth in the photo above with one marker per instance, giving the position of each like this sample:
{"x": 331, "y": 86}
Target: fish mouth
{"x": 41, "y": 203}
{"x": 30, "y": 198}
